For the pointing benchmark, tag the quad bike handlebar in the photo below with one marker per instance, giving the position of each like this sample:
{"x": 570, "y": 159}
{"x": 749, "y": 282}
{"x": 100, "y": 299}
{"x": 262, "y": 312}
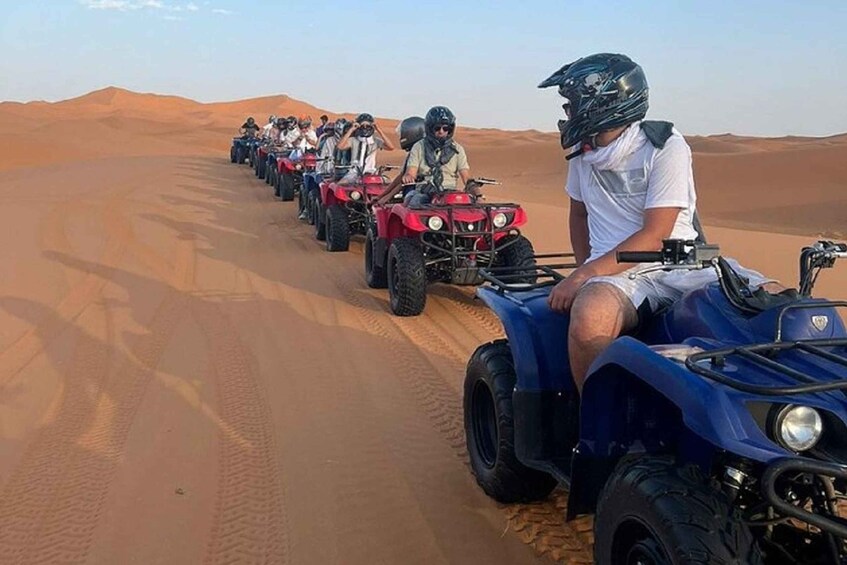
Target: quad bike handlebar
{"x": 821, "y": 255}
{"x": 676, "y": 254}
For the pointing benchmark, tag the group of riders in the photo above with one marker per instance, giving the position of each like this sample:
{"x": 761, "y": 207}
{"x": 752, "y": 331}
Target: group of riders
{"x": 630, "y": 184}
{"x": 434, "y": 161}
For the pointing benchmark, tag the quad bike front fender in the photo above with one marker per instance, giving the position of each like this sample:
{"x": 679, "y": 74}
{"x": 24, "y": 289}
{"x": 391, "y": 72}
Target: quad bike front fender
{"x": 702, "y": 414}
{"x": 538, "y": 338}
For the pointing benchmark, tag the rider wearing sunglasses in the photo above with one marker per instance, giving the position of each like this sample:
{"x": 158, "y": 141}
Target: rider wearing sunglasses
{"x": 365, "y": 140}
{"x": 437, "y": 158}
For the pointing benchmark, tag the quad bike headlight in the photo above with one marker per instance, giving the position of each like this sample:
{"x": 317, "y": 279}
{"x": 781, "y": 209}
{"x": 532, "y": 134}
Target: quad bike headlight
{"x": 435, "y": 223}
{"x": 499, "y": 220}
{"x": 298, "y": 166}
{"x": 798, "y": 428}
{"x": 356, "y": 195}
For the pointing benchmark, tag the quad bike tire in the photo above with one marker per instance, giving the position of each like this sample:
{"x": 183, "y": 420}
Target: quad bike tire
{"x": 655, "y": 511}
{"x": 376, "y": 277}
{"x": 406, "y": 277}
{"x": 518, "y": 253}
{"x": 269, "y": 177}
{"x": 262, "y": 166}
{"x": 320, "y": 221}
{"x": 337, "y": 229}
{"x": 255, "y": 162}
{"x": 490, "y": 429}
{"x": 310, "y": 208}
{"x": 285, "y": 187}
{"x": 240, "y": 155}
{"x": 232, "y": 157}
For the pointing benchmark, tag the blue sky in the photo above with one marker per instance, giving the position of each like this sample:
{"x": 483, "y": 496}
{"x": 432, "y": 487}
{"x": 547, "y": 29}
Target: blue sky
{"x": 748, "y": 67}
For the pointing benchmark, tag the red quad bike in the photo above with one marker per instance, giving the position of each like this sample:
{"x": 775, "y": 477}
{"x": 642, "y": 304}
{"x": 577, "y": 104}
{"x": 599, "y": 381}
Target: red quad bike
{"x": 345, "y": 210}
{"x": 289, "y": 173}
{"x": 260, "y": 163}
{"x": 448, "y": 240}
{"x": 275, "y": 154}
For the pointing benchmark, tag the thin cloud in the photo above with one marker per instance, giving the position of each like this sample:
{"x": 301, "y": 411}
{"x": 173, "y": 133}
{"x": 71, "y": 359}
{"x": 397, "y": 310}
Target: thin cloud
{"x": 131, "y": 5}
{"x": 222, "y": 12}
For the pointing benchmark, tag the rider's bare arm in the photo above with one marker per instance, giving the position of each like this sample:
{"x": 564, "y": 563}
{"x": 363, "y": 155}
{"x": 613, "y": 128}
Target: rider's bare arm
{"x": 344, "y": 142}
{"x": 411, "y": 175}
{"x": 386, "y": 142}
{"x": 658, "y": 226}
{"x": 465, "y": 176}
{"x": 578, "y": 224}
{"x": 392, "y": 189}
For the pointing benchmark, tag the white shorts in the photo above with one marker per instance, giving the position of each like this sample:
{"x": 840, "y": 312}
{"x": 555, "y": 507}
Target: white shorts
{"x": 662, "y": 288}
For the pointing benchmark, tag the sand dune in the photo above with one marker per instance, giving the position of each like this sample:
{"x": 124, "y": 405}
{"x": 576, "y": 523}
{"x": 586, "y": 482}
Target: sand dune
{"x": 186, "y": 376}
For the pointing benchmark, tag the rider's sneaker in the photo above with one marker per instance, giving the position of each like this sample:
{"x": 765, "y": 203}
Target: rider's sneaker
{"x": 302, "y": 215}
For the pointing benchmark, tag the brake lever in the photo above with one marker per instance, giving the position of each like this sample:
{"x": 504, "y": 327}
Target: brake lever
{"x": 686, "y": 267}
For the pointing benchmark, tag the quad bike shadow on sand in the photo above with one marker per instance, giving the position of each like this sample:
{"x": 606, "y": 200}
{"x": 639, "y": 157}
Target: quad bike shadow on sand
{"x": 448, "y": 240}
{"x": 717, "y": 433}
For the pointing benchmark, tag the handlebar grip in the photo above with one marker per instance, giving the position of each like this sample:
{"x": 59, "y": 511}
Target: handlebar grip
{"x": 639, "y": 256}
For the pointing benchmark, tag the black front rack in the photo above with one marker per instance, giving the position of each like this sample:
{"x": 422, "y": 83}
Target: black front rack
{"x": 522, "y": 279}
{"x": 709, "y": 363}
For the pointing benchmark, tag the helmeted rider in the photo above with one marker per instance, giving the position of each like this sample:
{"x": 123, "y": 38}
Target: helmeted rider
{"x": 278, "y": 131}
{"x": 268, "y": 127}
{"x": 290, "y": 133}
{"x": 326, "y": 149}
{"x": 306, "y": 137}
{"x": 249, "y": 128}
{"x": 409, "y": 132}
{"x": 341, "y": 157}
{"x": 364, "y": 139}
{"x": 631, "y": 185}
{"x": 437, "y": 158}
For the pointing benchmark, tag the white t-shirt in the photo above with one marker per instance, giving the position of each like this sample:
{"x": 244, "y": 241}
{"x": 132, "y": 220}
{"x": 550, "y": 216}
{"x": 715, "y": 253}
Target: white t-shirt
{"x": 288, "y": 137}
{"x": 266, "y": 130}
{"x": 648, "y": 177}
{"x": 363, "y": 152}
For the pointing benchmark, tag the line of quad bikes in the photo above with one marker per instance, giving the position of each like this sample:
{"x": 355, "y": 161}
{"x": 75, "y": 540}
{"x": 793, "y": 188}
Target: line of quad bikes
{"x": 714, "y": 433}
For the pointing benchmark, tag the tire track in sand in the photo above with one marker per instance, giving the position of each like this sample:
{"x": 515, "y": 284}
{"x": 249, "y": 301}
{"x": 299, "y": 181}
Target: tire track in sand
{"x": 249, "y": 521}
{"x": 540, "y": 525}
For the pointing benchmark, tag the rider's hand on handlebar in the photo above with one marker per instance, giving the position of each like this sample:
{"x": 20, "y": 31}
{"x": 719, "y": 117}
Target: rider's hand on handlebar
{"x": 408, "y": 179}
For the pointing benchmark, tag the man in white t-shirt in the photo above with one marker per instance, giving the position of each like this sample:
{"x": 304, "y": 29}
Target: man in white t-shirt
{"x": 364, "y": 139}
{"x": 268, "y": 127}
{"x": 631, "y": 185}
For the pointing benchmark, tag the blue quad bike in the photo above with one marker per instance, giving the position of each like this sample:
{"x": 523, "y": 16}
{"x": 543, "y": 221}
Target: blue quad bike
{"x": 242, "y": 149}
{"x": 716, "y": 433}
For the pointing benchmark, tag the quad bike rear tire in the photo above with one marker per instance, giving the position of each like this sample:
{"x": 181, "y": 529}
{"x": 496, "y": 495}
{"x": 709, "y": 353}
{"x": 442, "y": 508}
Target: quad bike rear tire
{"x": 240, "y": 155}
{"x": 286, "y": 187}
{"x": 406, "y": 277}
{"x": 311, "y": 206}
{"x": 337, "y": 229}
{"x": 232, "y": 157}
{"x": 320, "y": 221}
{"x": 376, "y": 277}
{"x": 518, "y": 253}
{"x": 653, "y": 510}
{"x": 490, "y": 429}
{"x": 269, "y": 177}
{"x": 263, "y": 168}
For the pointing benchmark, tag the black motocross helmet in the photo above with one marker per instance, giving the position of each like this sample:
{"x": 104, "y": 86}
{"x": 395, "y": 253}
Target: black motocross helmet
{"x": 368, "y": 129}
{"x": 290, "y": 122}
{"x": 280, "y": 123}
{"x": 251, "y": 121}
{"x": 440, "y": 116}
{"x": 410, "y": 131}
{"x": 603, "y": 91}
{"x": 341, "y": 127}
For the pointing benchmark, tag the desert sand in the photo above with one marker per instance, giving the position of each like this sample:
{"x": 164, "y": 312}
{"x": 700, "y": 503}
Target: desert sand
{"x": 187, "y": 376}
